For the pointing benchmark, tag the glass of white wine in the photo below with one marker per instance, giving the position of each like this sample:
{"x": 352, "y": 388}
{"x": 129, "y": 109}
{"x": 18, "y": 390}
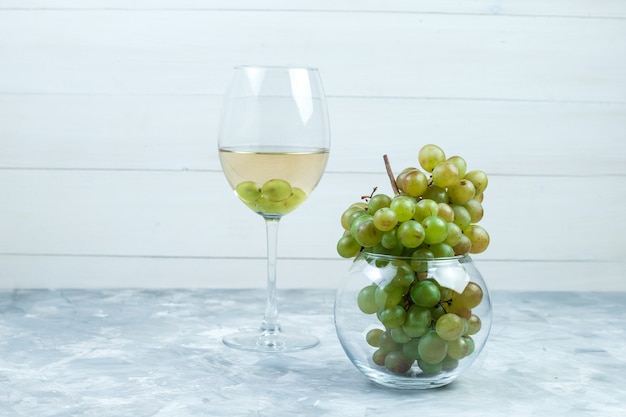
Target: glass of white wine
{"x": 274, "y": 139}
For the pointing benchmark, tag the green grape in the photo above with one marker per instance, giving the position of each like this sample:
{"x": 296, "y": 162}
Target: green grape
{"x": 365, "y": 300}
{"x": 429, "y": 368}
{"x": 479, "y": 238}
{"x": 425, "y": 293}
{"x": 417, "y": 322}
{"x": 437, "y": 311}
{"x": 471, "y": 296}
{"x": 425, "y": 208}
{"x": 463, "y": 247}
{"x": 473, "y": 325}
{"x": 390, "y": 239}
{"x": 479, "y": 179}
{"x": 450, "y": 326}
{"x": 377, "y": 202}
{"x": 432, "y": 348}
{"x": 414, "y": 183}
{"x": 365, "y": 232}
{"x": 442, "y": 250}
{"x": 446, "y": 174}
{"x": 266, "y": 206}
{"x": 248, "y": 191}
{"x": 420, "y": 258}
{"x": 388, "y": 296}
{"x": 348, "y": 247}
{"x": 354, "y": 213}
{"x": 458, "y": 348}
{"x": 460, "y": 164}
{"x": 461, "y": 216}
{"x": 430, "y": 156}
{"x": 438, "y": 194}
{"x": 454, "y": 234}
{"x": 404, "y": 276}
{"x": 296, "y": 198}
{"x": 397, "y": 363}
{"x": 461, "y": 192}
{"x": 410, "y": 234}
{"x": 399, "y": 335}
{"x": 385, "y": 219}
{"x": 349, "y": 212}
{"x": 435, "y": 229}
{"x": 445, "y": 211}
{"x": 470, "y": 344}
{"x": 448, "y": 363}
{"x": 410, "y": 349}
{"x": 378, "y": 357}
{"x": 475, "y": 209}
{"x": 387, "y": 344}
{"x": 276, "y": 190}
{"x": 373, "y": 337}
{"x": 392, "y": 317}
{"x": 404, "y": 206}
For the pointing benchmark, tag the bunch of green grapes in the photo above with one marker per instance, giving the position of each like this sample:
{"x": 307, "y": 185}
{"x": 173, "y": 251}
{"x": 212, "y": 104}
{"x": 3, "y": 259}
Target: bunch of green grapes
{"x": 275, "y": 196}
{"x": 424, "y": 325}
{"x": 435, "y": 212}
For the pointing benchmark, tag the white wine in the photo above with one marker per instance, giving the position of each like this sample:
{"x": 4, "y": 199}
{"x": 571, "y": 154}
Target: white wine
{"x": 260, "y": 175}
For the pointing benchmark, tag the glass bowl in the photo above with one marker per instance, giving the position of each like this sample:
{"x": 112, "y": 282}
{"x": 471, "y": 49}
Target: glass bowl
{"x": 412, "y": 323}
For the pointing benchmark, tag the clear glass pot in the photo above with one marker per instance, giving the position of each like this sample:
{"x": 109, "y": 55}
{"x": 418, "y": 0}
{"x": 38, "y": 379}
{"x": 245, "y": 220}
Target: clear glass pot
{"x": 412, "y": 323}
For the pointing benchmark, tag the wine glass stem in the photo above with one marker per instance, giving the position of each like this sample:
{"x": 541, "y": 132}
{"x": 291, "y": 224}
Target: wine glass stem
{"x": 270, "y": 323}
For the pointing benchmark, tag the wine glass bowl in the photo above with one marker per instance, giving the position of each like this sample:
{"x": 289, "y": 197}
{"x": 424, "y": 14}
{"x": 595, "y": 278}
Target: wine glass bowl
{"x": 273, "y": 144}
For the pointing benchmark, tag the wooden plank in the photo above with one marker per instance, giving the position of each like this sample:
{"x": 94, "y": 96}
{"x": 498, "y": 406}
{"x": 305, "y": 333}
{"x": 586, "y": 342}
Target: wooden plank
{"x": 136, "y": 272}
{"x": 140, "y": 213}
{"x": 180, "y": 132}
{"x": 363, "y": 54}
{"x": 576, "y": 8}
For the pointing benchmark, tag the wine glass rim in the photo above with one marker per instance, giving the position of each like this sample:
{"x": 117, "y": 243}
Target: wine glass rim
{"x": 276, "y": 67}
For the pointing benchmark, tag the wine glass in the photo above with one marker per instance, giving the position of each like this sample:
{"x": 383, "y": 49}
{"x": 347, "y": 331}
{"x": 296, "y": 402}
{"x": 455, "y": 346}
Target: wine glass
{"x": 274, "y": 139}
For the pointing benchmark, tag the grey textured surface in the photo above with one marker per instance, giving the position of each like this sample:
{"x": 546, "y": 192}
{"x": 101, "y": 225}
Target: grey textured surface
{"x": 134, "y": 352}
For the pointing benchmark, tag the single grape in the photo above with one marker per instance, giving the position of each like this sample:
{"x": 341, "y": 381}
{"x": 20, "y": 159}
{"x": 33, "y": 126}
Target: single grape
{"x": 385, "y": 219}
{"x": 414, "y": 183}
{"x": 417, "y": 322}
{"x": 378, "y": 357}
{"x": 377, "y": 202}
{"x": 479, "y": 179}
{"x": 479, "y": 238}
{"x": 471, "y": 296}
{"x": 429, "y": 156}
{"x": 475, "y": 209}
{"x": 474, "y": 325}
{"x": 296, "y": 198}
{"x": 448, "y": 363}
{"x": 446, "y": 174}
{"x": 397, "y": 363}
{"x": 390, "y": 240}
{"x": 365, "y": 300}
{"x": 442, "y": 250}
{"x": 425, "y": 208}
{"x": 438, "y": 194}
{"x": 410, "y": 234}
{"x": 432, "y": 348}
{"x": 373, "y": 337}
{"x": 454, "y": 234}
{"x": 461, "y": 192}
{"x": 470, "y": 344}
{"x": 458, "y": 348}
{"x": 420, "y": 258}
{"x": 392, "y": 317}
{"x": 399, "y": 335}
{"x": 425, "y": 293}
{"x": 410, "y": 349}
{"x": 460, "y": 164}
{"x": 450, "y": 326}
{"x": 445, "y": 211}
{"x": 276, "y": 189}
{"x": 429, "y": 368}
{"x": 388, "y": 296}
{"x": 463, "y": 247}
{"x": 404, "y": 206}
{"x": 248, "y": 191}
{"x": 461, "y": 216}
{"x": 435, "y": 229}
{"x": 365, "y": 232}
{"x": 351, "y": 214}
{"x": 348, "y": 247}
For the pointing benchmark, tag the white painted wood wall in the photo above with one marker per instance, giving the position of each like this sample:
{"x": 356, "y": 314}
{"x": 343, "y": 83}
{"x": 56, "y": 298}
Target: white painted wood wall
{"x": 109, "y": 174}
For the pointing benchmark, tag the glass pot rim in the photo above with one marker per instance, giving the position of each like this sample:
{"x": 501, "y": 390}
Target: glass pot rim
{"x": 383, "y": 256}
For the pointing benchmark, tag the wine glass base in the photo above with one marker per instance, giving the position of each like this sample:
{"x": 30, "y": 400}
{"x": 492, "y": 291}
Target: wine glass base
{"x": 260, "y": 341}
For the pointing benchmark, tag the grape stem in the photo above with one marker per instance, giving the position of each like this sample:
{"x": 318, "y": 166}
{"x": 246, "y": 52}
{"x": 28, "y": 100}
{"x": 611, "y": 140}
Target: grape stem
{"x": 394, "y": 186}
